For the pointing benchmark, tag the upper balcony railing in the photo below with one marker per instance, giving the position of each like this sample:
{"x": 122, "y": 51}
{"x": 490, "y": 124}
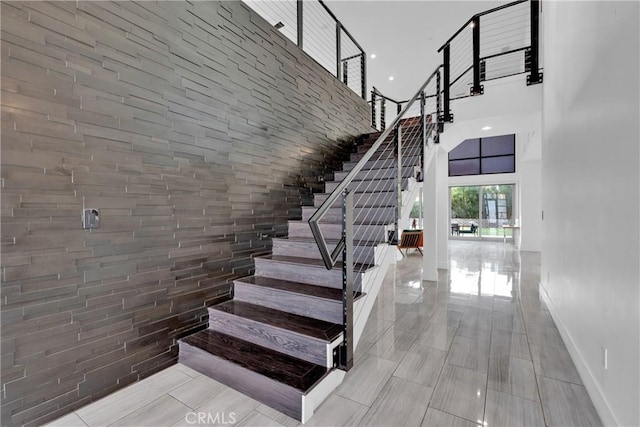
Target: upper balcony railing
{"x": 493, "y": 44}
{"x": 316, "y": 30}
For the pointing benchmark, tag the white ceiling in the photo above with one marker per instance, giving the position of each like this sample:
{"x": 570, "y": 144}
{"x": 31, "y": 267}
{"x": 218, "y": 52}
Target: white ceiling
{"x": 405, "y": 36}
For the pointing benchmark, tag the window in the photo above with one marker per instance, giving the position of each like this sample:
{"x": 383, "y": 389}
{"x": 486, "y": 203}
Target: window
{"x": 482, "y": 156}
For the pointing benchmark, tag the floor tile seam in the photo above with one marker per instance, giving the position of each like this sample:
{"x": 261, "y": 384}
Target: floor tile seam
{"x": 509, "y": 355}
{"x": 152, "y": 402}
{"x": 441, "y": 370}
{"x": 137, "y": 407}
{"x": 486, "y": 389}
{"x": 514, "y": 395}
{"x": 453, "y": 415}
{"x": 546, "y": 417}
{"x": 561, "y": 380}
{"x": 355, "y": 401}
{"x": 81, "y": 419}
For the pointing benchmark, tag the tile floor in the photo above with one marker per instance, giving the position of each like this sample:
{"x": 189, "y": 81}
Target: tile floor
{"x": 478, "y": 347}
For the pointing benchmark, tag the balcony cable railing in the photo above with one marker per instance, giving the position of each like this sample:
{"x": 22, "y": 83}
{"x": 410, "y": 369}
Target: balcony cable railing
{"x": 493, "y": 44}
{"x": 315, "y": 29}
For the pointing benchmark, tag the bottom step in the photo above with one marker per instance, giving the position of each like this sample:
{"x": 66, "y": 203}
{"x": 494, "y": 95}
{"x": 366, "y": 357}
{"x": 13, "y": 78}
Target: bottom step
{"x": 275, "y": 379}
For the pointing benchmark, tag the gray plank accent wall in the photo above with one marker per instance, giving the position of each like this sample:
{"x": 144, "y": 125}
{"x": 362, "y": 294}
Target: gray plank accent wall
{"x": 192, "y": 127}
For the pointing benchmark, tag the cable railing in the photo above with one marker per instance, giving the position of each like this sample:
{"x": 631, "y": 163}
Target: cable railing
{"x": 500, "y": 42}
{"x": 315, "y": 29}
{"x": 370, "y": 197}
{"x": 497, "y": 43}
{"x": 494, "y": 44}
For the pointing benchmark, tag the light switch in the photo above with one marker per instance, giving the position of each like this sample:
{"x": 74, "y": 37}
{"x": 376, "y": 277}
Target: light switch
{"x": 90, "y": 218}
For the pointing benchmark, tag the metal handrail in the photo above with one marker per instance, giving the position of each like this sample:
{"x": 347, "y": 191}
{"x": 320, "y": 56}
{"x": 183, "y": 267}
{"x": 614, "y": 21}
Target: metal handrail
{"x": 330, "y": 258}
{"x": 477, "y": 15}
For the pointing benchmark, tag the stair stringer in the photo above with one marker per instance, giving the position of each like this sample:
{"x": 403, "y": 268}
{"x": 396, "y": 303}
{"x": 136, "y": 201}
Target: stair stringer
{"x": 371, "y": 284}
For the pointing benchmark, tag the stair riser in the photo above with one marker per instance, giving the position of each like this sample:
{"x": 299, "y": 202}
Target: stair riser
{"x": 334, "y": 231}
{"x": 295, "y": 273}
{"x": 287, "y": 342}
{"x": 361, "y": 215}
{"x": 279, "y": 396}
{"x": 386, "y": 184}
{"x": 371, "y": 200}
{"x": 303, "y": 305}
{"x": 386, "y": 151}
{"x": 382, "y": 164}
{"x": 381, "y": 173}
{"x": 364, "y": 254}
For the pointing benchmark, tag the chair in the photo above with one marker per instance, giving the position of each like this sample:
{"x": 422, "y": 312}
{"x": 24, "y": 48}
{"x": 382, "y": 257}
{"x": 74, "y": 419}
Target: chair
{"x": 411, "y": 239}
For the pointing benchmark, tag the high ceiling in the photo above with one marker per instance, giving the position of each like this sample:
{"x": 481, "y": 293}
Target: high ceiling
{"x": 404, "y": 36}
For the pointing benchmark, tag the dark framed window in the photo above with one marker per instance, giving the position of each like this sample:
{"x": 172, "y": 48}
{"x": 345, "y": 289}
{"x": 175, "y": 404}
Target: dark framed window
{"x": 484, "y": 156}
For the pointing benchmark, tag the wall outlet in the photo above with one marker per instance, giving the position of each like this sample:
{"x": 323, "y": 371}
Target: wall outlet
{"x": 605, "y": 358}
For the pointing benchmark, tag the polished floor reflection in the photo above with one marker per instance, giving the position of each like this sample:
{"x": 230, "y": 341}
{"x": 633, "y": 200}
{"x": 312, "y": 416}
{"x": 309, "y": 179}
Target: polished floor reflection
{"x": 478, "y": 347}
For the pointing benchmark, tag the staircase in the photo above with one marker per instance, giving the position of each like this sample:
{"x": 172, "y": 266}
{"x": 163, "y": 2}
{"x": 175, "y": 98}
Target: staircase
{"x": 275, "y": 340}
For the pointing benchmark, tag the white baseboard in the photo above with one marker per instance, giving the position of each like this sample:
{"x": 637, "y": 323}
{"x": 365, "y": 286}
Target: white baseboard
{"x": 588, "y": 379}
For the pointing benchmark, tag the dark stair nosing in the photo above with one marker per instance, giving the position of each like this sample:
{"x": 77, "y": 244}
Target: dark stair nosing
{"x": 302, "y": 325}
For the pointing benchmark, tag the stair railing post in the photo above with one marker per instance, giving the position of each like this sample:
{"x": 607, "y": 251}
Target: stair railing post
{"x": 345, "y": 72}
{"x": 300, "y": 23}
{"x": 477, "y": 88}
{"x": 363, "y": 76}
{"x": 447, "y": 116}
{"x": 423, "y": 118}
{"x": 536, "y": 76}
{"x": 345, "y": 359}
{"x": 338, "y": 48}
{"x": 398, "y": 186}
{"x": 383, "y": 113}
{"x": 373, "y": 109}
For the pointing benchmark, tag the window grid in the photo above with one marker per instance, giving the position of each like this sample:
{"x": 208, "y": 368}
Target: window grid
{"x": 475, "y": 165}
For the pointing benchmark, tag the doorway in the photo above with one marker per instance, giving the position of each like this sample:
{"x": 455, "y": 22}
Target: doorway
{"x": 480, "y": 211}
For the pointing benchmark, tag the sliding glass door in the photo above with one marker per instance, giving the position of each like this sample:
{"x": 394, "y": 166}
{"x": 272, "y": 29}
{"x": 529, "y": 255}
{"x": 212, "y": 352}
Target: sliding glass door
{"x": 497, "y": 210}
{"x": 465, "y": 211}
{"x": 479, "y": 212}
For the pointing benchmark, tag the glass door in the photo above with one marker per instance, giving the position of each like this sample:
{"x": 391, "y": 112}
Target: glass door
{"x": 497, "y": 210}
{"x": 481, "y": 211}
{"x": 465, "y": 212}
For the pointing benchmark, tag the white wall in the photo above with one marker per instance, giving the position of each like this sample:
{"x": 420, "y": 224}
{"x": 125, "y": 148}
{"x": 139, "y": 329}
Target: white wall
{"x": 591, "y": 195}
{"x": 508, "y": 106}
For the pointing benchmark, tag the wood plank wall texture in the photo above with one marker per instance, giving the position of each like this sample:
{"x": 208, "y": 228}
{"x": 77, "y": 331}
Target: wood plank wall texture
{"x": 191, "y": 127}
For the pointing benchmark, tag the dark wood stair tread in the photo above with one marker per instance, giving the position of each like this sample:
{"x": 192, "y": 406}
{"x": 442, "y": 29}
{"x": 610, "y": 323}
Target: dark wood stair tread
{"x": 277, "y": 366}
{"x": 308, "y": 326}
{"x": 312, "y": 262}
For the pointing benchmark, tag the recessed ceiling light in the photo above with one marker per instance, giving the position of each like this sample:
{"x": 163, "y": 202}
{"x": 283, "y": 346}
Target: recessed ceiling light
{"x": 391, "y": 78}
{"x": 373, "y": 56}
{"x": 487, "y": 128}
